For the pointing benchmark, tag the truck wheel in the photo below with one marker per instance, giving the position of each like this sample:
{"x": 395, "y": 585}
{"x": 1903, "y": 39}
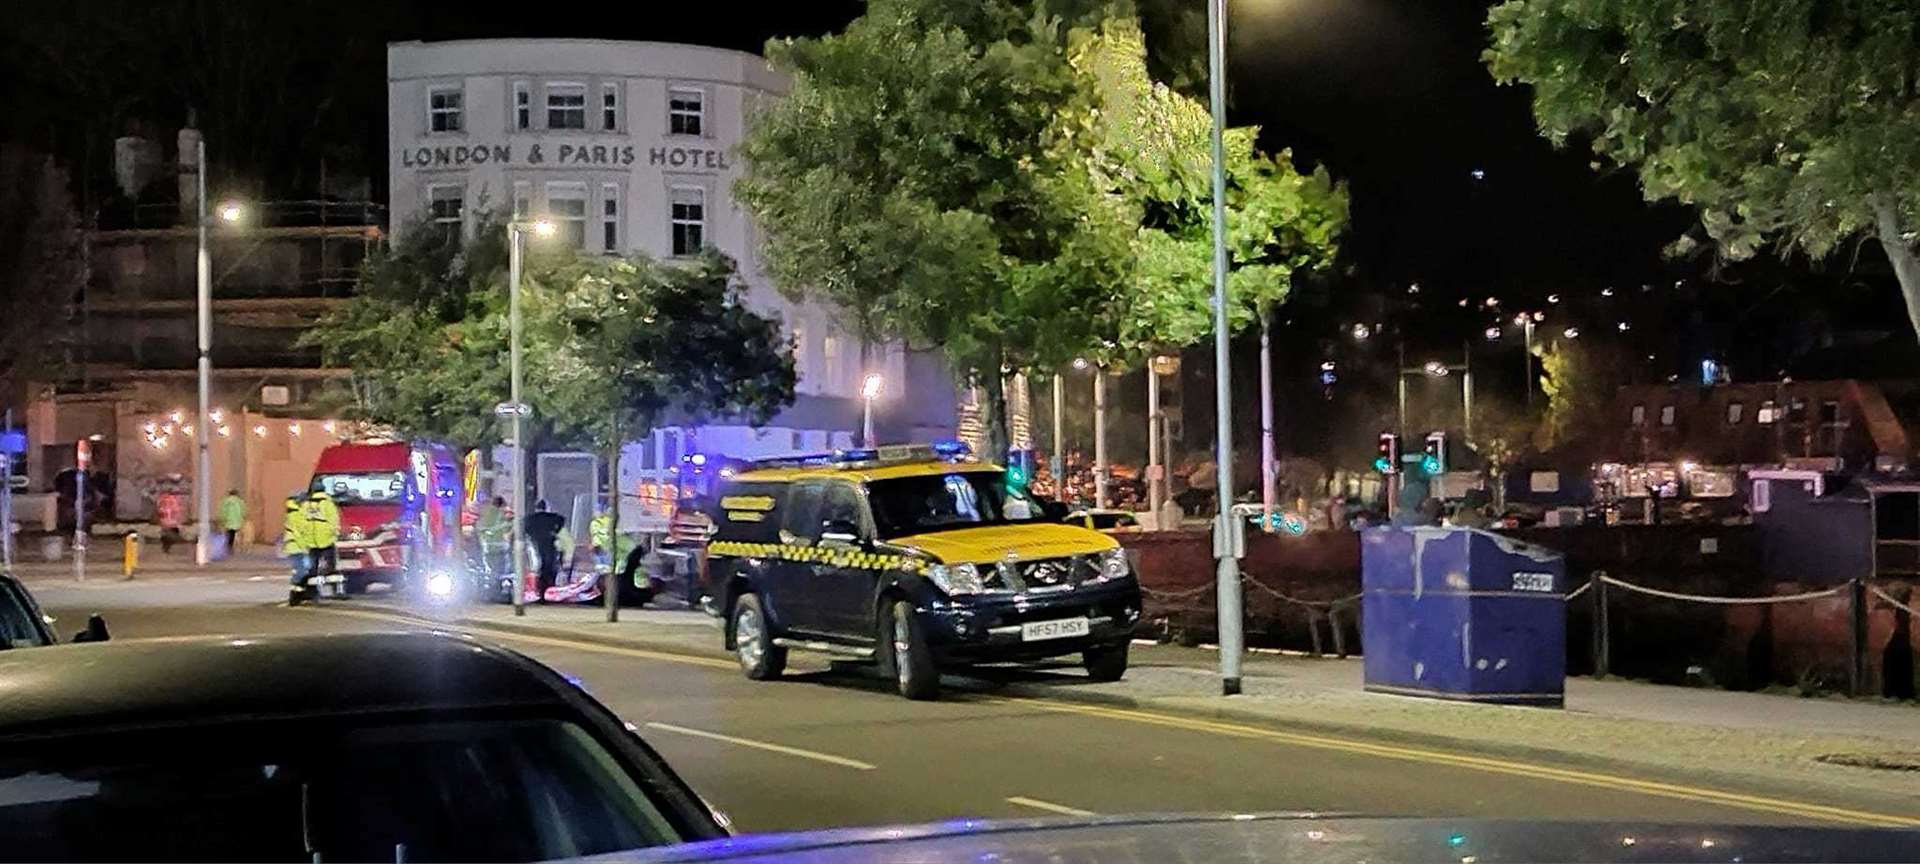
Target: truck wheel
{"x": 752, "y": 643}
{"x": 904, "y": 653}
{"x": 1106, "y": 664}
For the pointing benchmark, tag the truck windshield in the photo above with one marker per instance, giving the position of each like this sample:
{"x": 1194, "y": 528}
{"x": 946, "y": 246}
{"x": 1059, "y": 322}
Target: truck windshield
{"x": 363, "y": 487}
{"x": 934, "y": 502}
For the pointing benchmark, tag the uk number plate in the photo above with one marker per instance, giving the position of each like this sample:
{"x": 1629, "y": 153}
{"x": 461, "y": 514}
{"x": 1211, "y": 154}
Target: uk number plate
{"x": 1065, "y": 628}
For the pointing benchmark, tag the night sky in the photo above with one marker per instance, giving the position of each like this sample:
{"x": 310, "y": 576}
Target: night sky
{"x": 1390, "y": 95}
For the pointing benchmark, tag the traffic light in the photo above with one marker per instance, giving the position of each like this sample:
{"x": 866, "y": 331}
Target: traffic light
{"x": 1387, "y": 455}
{"x": 1434, "y": 463}
{"x": 1019, "y": 471}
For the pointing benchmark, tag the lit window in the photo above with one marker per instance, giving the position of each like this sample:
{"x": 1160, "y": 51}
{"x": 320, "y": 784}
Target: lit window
{"x": 444, "y": 108}
{"x": 446, "y": 203}
{"x": 567, "y": 206}
{"x": 686, "y": 111}
{"x": 1666, "y": 415}
{"x": 1767, "y": 414}
{"x": 522, "y": 106}
{"x": 689, "y": 214}
{"x": 1639, "y": 415}
{"x": 1734, "y": 411}
{"x": 566, "y": 106}
{"x": 1762, "y": 498}
{"x": 610, "y": 107}
{"x": 610, "y": 218}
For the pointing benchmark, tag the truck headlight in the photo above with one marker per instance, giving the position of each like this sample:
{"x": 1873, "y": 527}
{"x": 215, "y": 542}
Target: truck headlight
{"x": 957, "y": 579}
{"x": 1113, "y": 564}
{"x": 440, "y": 585}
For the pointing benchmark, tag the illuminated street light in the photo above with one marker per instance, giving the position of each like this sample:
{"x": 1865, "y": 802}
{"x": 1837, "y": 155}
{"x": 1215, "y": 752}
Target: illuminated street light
{"x": 869, "y": 391}
{"x": 1553, "y": 298}
{"x": 1624, "y": 326}
{"x": 1326, "y": 366}
{"x": 1493, "y": 333}
{"x": 516, "y": 249}
{"x": 1080, "y": 364}
{"x": 1414, "y": 288}
{"x": 1435, "y": 368}
{"x": 1571, "y": 332}
{"x": 542, "y": 227}
{"x": 231, "y": 212}
{"x": 1606, "y": 292}
{"x": 1539, "y": 316}
{"x": 1361, "y": 332}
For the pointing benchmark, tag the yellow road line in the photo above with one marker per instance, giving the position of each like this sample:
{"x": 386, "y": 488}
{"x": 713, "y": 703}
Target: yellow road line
{"x": 1510, "y": 767}
{"x": 768, "y": 746}
{"x": 1049, "y": 806}
{"x": 1481, "y": 763}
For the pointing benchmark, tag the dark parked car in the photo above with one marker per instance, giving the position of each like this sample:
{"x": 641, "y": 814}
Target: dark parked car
{"x": 1247, "y": 838}
{"x": 23, "y": 625}
{"x": 387, "y": 747}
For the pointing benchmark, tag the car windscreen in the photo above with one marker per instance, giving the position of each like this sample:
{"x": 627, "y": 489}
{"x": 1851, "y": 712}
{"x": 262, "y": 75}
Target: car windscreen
{"x": 18, "y": 629}
{"x": 369, "y": 487}
{"x": 933, "y": 502}
{"x": 521, "y": 789}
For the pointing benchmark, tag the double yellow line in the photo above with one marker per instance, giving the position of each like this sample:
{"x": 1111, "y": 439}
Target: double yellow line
{"x": 1760, "y": 803}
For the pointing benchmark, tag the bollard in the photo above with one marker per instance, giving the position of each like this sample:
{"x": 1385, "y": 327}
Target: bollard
{"x": 1857, "y": 668}
{"x": 1602, "y": 647}
{"x": 129, "y": 554}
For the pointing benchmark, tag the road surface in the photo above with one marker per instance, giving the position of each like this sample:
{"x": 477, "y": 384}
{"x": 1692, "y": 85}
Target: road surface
{"x": 833, "y": 747}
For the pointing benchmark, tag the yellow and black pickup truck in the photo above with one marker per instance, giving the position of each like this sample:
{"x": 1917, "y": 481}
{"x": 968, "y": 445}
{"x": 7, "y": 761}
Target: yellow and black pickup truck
{"x": 916, "y": 557}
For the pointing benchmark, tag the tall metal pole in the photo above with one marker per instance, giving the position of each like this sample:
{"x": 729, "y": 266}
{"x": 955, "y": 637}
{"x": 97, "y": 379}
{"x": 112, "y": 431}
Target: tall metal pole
{"x": 1266, "y": 423}
{"x": 1059, "y": 466}
{"x": 6, "y": 509}
{"x": 1228, "y": 589}
{"x": 866, "y": 423}
{"x": 1466, "y": 395}
{"x": 1156, "y": 470}
{"x": 1527, "y": 358}
{"x": 1099, "y": 437}
{"x": 519, "y": 545}
{"x": 614, "y": 561}
{"x": 203, "y": 465}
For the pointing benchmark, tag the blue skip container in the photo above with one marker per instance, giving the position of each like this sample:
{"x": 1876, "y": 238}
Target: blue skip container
{"x": 1459, "y": 613}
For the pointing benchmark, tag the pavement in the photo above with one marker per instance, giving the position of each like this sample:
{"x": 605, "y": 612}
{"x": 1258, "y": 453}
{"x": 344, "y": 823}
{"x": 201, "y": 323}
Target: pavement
{"x": 830, "y": 745}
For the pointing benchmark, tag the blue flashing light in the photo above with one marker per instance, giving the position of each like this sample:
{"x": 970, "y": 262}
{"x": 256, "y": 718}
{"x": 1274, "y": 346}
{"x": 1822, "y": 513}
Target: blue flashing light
{"x": 859, "y": 454}
{"x": 951, "y": 448}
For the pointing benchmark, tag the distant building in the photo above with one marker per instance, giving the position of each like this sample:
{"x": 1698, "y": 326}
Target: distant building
{"x": 631, "y": 147}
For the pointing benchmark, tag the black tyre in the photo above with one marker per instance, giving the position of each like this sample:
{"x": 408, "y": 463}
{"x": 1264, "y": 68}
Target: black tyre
{"x": 753, "y": 642}
{"x": 904, "y": 654}
{"x": 1107, "y": 663}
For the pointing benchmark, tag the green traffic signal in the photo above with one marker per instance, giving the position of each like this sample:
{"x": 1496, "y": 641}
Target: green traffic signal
{"x": 1430, "y": 464}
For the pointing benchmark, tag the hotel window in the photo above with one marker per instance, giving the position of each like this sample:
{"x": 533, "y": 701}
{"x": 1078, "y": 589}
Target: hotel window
{"x": 1639, "y": 415}
{"x": 1666, "y": 415}
{"x": 446, "y": 204}
{"x": 829, "y": 361}
{"x": 522, "y": 106}
{"x": 566, "y": 106}
{"x": 567, "y": 207}
{"x": 1734, "y": 412}
{"x": 1767, "y": 414}
{"x": 689, "y": 215}
{"x": 610, "y": 218}
{"x": 444, "y": 108}
{"x": 610, "y": 107}
{"x": 686, "y": 111}
{"x": 522, "y": 199}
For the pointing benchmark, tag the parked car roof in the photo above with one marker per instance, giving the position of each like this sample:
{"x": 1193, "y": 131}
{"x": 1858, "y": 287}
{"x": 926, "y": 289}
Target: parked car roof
{"x": 72, "y": 689}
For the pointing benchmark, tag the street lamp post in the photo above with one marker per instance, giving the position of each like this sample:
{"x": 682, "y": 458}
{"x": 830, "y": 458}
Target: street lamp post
{"x": 1059, "y": 467}
{"x": 869, "y": 391}
{"x": 230, "y": 212}
{"x": 1227, "y": 590}
{"x": 1099, "y": 436}
{"x": 517, "y": 409}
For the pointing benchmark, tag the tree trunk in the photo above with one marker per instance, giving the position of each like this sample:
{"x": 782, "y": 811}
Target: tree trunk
{"x": 997, "y": 426}
{"x": 1906, "y": 266}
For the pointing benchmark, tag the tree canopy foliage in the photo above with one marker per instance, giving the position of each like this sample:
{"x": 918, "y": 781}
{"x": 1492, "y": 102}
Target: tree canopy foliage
{"x": 1004, "y": 180}
{"x": 42, "y": 264}
{"x": 1789, "y": 122}
{"x": 605, "y": 339}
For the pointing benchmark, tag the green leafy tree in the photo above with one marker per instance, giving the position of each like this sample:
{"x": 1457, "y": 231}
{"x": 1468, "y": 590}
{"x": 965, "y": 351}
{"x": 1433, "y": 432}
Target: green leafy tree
{"x": 611, "y": 346}
{"x": 1579, "y": 379}
{"x": 1790, "y": 122}
{"x": 42, "y": 266}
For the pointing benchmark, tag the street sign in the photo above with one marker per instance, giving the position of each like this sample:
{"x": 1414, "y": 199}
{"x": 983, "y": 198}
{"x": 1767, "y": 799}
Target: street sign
{"x": 512, "y": 409}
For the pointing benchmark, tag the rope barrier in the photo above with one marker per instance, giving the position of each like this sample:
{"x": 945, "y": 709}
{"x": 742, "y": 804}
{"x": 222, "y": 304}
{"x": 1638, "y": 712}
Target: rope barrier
{"x": 1312, "y": 604}
{"x": 1584, "y": 587}
{"x": 1889, "y": 598}
{"x": 1177, "y": 595}
{"x": 1721, "y": 601}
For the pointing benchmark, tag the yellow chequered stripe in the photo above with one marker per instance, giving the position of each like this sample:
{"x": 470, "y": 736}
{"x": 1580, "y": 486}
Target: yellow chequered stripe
{"x": 854, "y": 558}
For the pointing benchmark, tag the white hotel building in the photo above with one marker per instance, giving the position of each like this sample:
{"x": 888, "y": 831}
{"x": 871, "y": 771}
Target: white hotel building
{"x": 630, "y": 147}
